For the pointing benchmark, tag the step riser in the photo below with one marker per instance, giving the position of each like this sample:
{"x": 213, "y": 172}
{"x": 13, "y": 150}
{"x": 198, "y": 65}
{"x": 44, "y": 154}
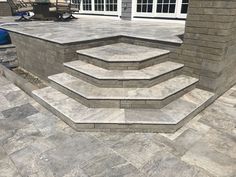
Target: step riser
{"x": 122, "y": 65}
{"x": 93, "y": 127}
{"x": 122, "y": 83}
{"x": 145, "y": 128}
{"x": 150, "y": 43}
{"x": 98, "y": 127}
{"x": 117, "y": 103}
{"x": 195, "y": 113}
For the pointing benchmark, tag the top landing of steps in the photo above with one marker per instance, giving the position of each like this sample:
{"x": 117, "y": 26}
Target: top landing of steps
{"x": 123, "y": 52}
{"x": 91, "y": 29}
{"x": 121, "y": 56}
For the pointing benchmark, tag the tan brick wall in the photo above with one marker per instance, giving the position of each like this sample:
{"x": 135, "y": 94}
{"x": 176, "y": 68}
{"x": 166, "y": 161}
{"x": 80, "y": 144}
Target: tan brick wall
{"x": 209, "y": 48}
{"x": 5, "y": 9}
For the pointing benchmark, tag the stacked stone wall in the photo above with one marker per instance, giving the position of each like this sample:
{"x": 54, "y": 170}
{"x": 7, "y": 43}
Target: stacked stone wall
{"x": 5, "y": 9}
{"x": 209, "y": 47}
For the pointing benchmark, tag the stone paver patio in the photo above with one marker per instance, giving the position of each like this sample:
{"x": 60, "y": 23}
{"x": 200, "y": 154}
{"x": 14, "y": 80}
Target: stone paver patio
{"x": 85, "y": 29}
{"x": 34, "y": 142}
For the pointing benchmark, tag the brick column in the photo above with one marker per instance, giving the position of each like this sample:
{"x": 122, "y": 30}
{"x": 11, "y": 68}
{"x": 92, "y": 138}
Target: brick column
{"x": 209, "y": 47}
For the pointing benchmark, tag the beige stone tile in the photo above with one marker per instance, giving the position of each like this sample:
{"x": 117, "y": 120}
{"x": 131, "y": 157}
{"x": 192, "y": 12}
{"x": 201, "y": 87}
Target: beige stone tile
{"x": 215, "y": 153}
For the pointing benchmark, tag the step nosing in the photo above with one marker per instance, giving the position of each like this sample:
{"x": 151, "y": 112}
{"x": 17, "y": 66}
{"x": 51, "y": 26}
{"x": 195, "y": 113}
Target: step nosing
{"x": 122, "y": 61}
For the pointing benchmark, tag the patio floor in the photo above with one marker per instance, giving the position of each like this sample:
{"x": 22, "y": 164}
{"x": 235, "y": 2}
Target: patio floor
{"x": 34, "y": 142}
{"x": 87, "y": 28}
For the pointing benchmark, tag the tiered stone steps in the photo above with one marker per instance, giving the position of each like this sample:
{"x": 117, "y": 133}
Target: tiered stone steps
{"x": 154, "y": 97}
{"x": 82, "y": 118}
{"x": 123, "y": 87}
{"x": 122, "y": 56}
{"x": 101, "y": 77}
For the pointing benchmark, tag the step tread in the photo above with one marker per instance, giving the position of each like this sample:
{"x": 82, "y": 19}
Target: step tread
{"x": 7, "y": 46}
{"x": 123, "y": 52}
{"x": 105, "y": 74}
{"x": 157, "y": 92}
{"x": 80, "y": 114}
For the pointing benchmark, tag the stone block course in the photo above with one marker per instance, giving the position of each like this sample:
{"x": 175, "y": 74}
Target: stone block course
{"x": 210, "y": 40}
{"x": 211, "y": 11}
{"x": 49, "y": 56}
{"x": 211, "y": 18}
{"x": 5, "y": 9}
{"x": 209, "y": 24}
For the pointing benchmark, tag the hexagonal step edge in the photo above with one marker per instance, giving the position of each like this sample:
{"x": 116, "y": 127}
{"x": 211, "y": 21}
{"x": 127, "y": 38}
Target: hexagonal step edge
{"x": 168, "y": 119}
{"x": 101, "y": 77}
{"x": 154, "y": 97}
{"x": 122, "y": 56}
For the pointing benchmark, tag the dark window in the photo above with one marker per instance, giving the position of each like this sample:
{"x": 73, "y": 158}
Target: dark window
{"x": 184, "y": 7}
{"x": 159, "y": 8}
{"x": 111, "y": 5}
{"x": 87, "y": 5}
{"x": 149, "y": 8}
{"x": 172, "y": 8}
{"x": 166, "y": 6}
{"x": 144, "y": 6}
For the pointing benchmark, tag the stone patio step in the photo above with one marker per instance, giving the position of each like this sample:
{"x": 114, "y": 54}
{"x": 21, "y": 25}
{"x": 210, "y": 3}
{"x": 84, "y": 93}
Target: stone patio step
{"x": 101, "y": 77}
{"x": 7, "y": 46}
{"x": 168, "y": 119}
{"x": 153, "y": 97}
{"x": 122, "y": 56}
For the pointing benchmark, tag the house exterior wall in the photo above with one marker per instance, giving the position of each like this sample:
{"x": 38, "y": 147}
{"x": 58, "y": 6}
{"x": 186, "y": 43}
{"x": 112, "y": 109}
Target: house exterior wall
{"x": 5, "y": 9}
{"x": 126, "y": 10}
{"x": 209, "y": 47}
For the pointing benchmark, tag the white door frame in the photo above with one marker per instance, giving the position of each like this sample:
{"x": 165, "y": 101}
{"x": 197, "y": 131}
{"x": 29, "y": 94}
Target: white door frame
{"x": 179, "y": 14}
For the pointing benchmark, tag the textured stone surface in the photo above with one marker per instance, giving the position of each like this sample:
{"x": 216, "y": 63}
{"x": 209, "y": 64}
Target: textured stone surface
{"x": 122, "y": 52}
{"x": 19, "y": 112}
{"x": 123, "y": 56}
{"x": 5, "y": 9}
{"x": 43, "y": 145}
{"x": 80, "y": 34}
{"x": 123, "y": 78}
{"x": 215, "y": 152}
{"x": 208, "y": 50}
{"x": 85, "y": 29}
{"x": 8, "y": 55}
{"x": 3, "y": 81}
{"x": 159, "y": 120}
{"x": 156, "y": 96}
